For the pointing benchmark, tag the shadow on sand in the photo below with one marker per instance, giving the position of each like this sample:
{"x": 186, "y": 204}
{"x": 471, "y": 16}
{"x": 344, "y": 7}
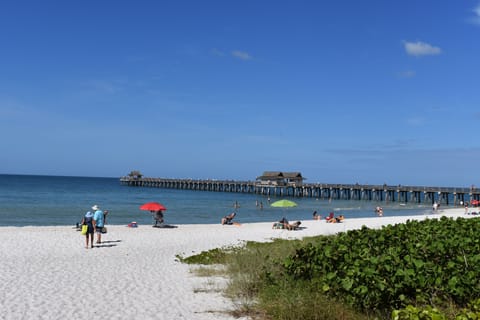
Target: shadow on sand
{"x": 165, "y": 226}
{"x": 107, "y": 244}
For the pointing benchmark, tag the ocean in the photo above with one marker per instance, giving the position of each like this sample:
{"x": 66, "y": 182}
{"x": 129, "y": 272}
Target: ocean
{"x": 30, "y": 200}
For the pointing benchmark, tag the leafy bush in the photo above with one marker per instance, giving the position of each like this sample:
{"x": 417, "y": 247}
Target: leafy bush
{"x": 425, "y": 262}
{"x": 429, "y": 313}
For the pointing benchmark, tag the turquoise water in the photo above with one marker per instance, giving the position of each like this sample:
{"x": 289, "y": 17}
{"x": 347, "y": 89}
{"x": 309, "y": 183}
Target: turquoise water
{"x": 49, "y": 200}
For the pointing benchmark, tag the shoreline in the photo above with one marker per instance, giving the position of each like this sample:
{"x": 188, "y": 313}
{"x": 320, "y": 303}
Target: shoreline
{"x": 47, "y": 273}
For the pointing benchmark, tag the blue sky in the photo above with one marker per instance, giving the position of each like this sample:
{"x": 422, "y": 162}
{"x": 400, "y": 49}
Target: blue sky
{"x": 342, "y": 91}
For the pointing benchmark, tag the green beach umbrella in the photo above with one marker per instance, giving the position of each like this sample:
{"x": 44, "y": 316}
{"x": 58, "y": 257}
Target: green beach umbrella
{"x": 284, "y": 204}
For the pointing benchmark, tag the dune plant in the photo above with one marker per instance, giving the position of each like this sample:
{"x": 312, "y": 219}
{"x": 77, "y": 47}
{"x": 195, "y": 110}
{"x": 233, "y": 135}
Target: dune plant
{"x": 417, "y": 270}
{"x": 429, "y": 262}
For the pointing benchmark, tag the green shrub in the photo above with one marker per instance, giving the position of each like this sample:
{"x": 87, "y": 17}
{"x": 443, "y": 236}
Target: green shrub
{"x": 419, "y": 262}
{"x": 417, "y": 270}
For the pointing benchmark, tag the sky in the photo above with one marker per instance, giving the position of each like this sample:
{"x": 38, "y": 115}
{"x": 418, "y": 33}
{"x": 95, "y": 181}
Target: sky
{"x": 342, "y": 91}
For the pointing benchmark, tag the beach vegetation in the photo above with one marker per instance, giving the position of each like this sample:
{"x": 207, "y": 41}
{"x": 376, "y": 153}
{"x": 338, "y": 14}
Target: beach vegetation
{"x": 209, "y": 257}
{"x": 212, "y": 270}
{"x": 417, "y": 270}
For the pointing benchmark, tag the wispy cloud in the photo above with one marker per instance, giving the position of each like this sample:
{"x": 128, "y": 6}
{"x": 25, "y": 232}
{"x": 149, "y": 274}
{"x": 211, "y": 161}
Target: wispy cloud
{"x": 476, "y": 18}
{"x": 242, "y": 55}
{"x": 104, "y": 86}
{"x": 421, "y": 49}
{"x": 11, "y": 109}
{"x": 237, "y": 54}
{"x": 217, "y": 52}
{"x": 407, "y": 74}
{"x": 415, "y": 121}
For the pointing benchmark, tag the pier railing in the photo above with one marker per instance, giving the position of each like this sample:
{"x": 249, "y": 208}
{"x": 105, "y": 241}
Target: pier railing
{"x": 398, "y": 193}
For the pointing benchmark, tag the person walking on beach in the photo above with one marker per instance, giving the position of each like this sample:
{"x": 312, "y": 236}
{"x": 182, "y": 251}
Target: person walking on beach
{"x": 88, "y": 220}
{"x": 98, "y": 222}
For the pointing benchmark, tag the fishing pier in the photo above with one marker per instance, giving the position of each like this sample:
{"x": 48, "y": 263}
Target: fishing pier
{"x": 279, "y": 184}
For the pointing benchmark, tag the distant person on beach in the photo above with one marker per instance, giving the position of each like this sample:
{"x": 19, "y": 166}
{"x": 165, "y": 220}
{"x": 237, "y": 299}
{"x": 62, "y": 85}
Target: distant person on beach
{"x": 228, "y": 218}
{"x": 338, "y": 219}
{"x": 158, "y": 216}
{"x": 316, "y": 216}
{"x": 88, "y": 220}
{"x": 435, "y": 206}
{"x": 98, "y": 222}
{"x": 105, "y": 213}
{"x": 284, "y": 222}
{"x": 379, "y": 211}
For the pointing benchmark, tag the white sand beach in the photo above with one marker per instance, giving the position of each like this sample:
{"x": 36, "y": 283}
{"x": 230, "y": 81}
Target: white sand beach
{"x": 46, "y": 272}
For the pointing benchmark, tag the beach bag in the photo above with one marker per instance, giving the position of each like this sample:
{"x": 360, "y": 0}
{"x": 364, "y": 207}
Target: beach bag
{"x": 84, "y": 229}
{"x": 104, "y": 230}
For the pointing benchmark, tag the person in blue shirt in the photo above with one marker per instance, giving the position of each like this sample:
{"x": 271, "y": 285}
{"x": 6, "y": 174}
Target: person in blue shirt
{"x": 98, "y": 222}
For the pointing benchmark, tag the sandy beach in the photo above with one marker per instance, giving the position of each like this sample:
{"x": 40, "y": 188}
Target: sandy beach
{"x": 46, "y": 272}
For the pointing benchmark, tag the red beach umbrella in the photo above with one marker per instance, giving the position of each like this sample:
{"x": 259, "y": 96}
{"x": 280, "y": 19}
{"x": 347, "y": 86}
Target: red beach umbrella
{"x": 152, "y": 206}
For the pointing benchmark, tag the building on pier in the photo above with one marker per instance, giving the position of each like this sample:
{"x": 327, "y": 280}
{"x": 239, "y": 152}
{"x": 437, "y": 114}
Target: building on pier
{"x": 278, "y": 178}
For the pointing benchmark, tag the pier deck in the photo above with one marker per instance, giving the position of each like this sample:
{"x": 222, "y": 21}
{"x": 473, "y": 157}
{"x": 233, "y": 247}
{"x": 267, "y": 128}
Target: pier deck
{"x": 399, "y": 193}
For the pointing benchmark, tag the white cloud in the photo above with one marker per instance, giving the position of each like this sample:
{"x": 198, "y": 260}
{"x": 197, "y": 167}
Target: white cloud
{"x": 241, "y": 55}
{"x": 421, "y": 49}
{"x": 476, "y": 18}
{"x": 477, "y": 10}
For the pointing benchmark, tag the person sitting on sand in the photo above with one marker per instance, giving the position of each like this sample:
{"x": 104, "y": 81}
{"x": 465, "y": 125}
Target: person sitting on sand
{"x": 158, "y": 216}
{"x": 330, "y": 217}
{"x": 293, "y": 226}
{"x": 282, "y": 224}
{"x": 316, "y": 216}
{"x": 228, "y": 219}
{"x": 338, "y": 219}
